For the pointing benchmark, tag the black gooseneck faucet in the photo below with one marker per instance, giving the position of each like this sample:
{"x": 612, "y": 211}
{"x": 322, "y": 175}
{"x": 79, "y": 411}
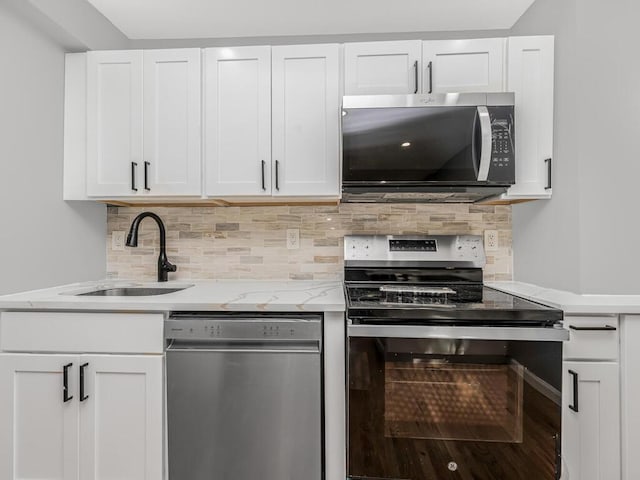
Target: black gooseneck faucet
{"x": 164, "y": 266}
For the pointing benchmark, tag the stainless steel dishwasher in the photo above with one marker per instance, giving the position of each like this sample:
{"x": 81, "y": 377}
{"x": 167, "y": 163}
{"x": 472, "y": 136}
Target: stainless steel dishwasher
{"x": 244, "y": 396}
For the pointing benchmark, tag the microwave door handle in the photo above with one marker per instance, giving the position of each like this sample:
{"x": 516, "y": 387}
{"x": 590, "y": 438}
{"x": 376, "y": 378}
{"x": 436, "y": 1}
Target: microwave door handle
{"x": 485, "y": 153}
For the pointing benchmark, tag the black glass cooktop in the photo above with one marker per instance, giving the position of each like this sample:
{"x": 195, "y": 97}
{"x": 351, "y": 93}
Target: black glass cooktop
{"x": 438, "y": 304}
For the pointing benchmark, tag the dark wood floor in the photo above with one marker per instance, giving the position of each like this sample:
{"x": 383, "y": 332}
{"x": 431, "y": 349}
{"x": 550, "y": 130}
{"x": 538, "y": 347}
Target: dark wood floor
{"x": 376, "y": 451}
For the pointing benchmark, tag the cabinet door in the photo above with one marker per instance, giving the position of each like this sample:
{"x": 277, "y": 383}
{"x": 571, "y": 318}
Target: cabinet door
{"x": 172, "y": 130}
{"x": 238, "y": 121}
{"x": 305, "y": 124}
{"x": 38, "y": 429}
{"x": 463, "y": 65}
{"x": 372, "y": 68}
{"x": 630, "y": 384}
{"x": 530, "y": 77}
{"x": 114, "y": 123}
{"x": 591, "y": 435}
{"x": 121, "y": 419}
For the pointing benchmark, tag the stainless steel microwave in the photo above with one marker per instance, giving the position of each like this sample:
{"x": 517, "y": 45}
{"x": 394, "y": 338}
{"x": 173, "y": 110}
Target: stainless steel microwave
{"x": 454, "y": 147}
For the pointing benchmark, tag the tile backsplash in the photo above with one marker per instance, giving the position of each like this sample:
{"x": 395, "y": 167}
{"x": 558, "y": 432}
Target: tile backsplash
{"x": 250, "y": 242}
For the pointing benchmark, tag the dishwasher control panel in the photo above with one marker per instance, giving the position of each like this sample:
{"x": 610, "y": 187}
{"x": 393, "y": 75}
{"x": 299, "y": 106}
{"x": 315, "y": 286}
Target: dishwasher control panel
{"x": 242, "y": 328}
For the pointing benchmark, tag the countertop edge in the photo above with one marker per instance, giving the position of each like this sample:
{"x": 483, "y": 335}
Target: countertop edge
{"x": 572, "y": 303}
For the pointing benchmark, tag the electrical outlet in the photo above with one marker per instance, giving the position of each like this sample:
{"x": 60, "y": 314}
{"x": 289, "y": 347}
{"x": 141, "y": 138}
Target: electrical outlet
{"x": 293, "y": 238}
{"x": 117, "y": 241}
{"x": 490, "y": 240}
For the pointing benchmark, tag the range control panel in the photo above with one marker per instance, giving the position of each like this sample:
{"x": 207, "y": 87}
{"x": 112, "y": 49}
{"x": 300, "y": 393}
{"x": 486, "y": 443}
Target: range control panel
{"x": 184, "y": 327}
{"x": 376, "y": 250}
{"x": 428, "y": 245}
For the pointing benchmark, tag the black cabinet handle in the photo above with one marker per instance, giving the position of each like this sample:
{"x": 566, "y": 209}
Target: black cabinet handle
{"x": 277, "y": 172}
{"x": 430, "y": 68}
{"x": 263, "y": 185}
{"x": 548, "y": 162}
{"x": 146, "y": 176}
{"x": 415, "y": 71}
{"x": 606, "y": 328}
{"x": 65, "y": 383}
{"x": 134, "y": 165}
{"x": 83, "y": 397}
{"x": 574, "y": 407}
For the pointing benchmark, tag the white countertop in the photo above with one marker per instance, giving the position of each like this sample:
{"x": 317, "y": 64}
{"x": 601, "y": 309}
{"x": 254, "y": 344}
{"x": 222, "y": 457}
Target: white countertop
{"x": 222, "y": 295}
{"x": 572, "y": 303}
{"x": 275, "y": 296}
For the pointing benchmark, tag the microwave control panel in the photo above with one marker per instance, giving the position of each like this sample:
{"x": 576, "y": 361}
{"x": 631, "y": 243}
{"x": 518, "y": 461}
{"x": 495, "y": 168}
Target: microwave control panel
{"x": 502, "y": 168}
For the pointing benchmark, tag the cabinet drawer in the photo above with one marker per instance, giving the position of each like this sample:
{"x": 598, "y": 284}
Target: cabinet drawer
{"x": 592, "y": 338}
{"x": 76, "y": 332}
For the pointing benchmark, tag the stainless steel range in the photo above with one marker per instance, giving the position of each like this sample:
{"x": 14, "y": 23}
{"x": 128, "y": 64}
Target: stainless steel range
{"x": 448, "y": 379}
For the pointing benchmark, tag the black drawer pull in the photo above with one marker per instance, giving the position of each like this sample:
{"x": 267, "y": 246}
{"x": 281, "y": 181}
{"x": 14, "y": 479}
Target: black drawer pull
{"x": 83, "y": 397}
{"x": 606, "y": 328}
{"x": 65, "y": 383}
{"x": 574, "y": 407}
{"x": 264, "y": 187}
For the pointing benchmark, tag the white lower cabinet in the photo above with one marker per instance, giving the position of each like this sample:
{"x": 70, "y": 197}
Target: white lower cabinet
{"x": 109, "y": 427}
{"x": 629, "y": 361}
{"x": 591, "y": 421}
{"x": 591, "y": 390}
{"x": 38, "y": 430}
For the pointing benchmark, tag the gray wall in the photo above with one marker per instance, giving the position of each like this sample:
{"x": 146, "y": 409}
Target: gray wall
{"x": 44, "y": 241}
{"x": 582, "y": 239}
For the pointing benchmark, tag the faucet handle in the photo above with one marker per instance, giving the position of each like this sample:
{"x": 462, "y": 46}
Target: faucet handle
{"x": 168, "y": 266}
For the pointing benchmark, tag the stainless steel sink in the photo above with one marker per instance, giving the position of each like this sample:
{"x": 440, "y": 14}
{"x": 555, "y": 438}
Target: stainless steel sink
{"x": 131, "y": 291}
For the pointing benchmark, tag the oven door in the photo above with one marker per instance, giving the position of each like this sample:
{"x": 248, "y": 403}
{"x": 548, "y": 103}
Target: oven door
{"x": 436, "y": 403}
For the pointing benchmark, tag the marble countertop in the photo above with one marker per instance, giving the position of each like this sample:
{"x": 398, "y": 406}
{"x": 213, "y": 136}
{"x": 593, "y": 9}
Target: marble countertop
{"x": 572, "y": 303}
{"x": 274, "y": 296}
{"x": 227, "y": 295}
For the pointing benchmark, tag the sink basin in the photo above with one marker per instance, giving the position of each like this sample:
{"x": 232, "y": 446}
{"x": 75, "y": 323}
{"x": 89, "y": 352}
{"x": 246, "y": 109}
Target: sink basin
{"x": 131, "y": 291}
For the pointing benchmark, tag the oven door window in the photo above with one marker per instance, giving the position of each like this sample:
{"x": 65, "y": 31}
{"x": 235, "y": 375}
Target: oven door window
{"x": 454, "y": 409}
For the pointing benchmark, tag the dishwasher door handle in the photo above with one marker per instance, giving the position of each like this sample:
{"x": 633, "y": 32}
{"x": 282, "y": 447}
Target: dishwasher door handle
{"x": 311, "y": 346}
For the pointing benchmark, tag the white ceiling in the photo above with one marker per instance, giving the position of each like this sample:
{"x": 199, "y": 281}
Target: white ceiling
{"x": 171, "y": 19}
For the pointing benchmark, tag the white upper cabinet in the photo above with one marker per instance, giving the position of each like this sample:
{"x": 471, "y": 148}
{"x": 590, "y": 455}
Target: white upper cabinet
{"x": 238, "y": 121}
{"x": 372, "y": 68}
{"x": 143, "y": 123}
{"x": 172, "y": 102}
{"x": 463, "y": 65}
{"x": 530, "y": 77}
{"x": 305, "y": 120}
{"x": 114, "y": 122}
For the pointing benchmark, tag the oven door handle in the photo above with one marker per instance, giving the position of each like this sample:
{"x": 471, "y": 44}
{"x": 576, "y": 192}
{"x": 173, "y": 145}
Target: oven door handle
{"x": 534, "y": 334}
